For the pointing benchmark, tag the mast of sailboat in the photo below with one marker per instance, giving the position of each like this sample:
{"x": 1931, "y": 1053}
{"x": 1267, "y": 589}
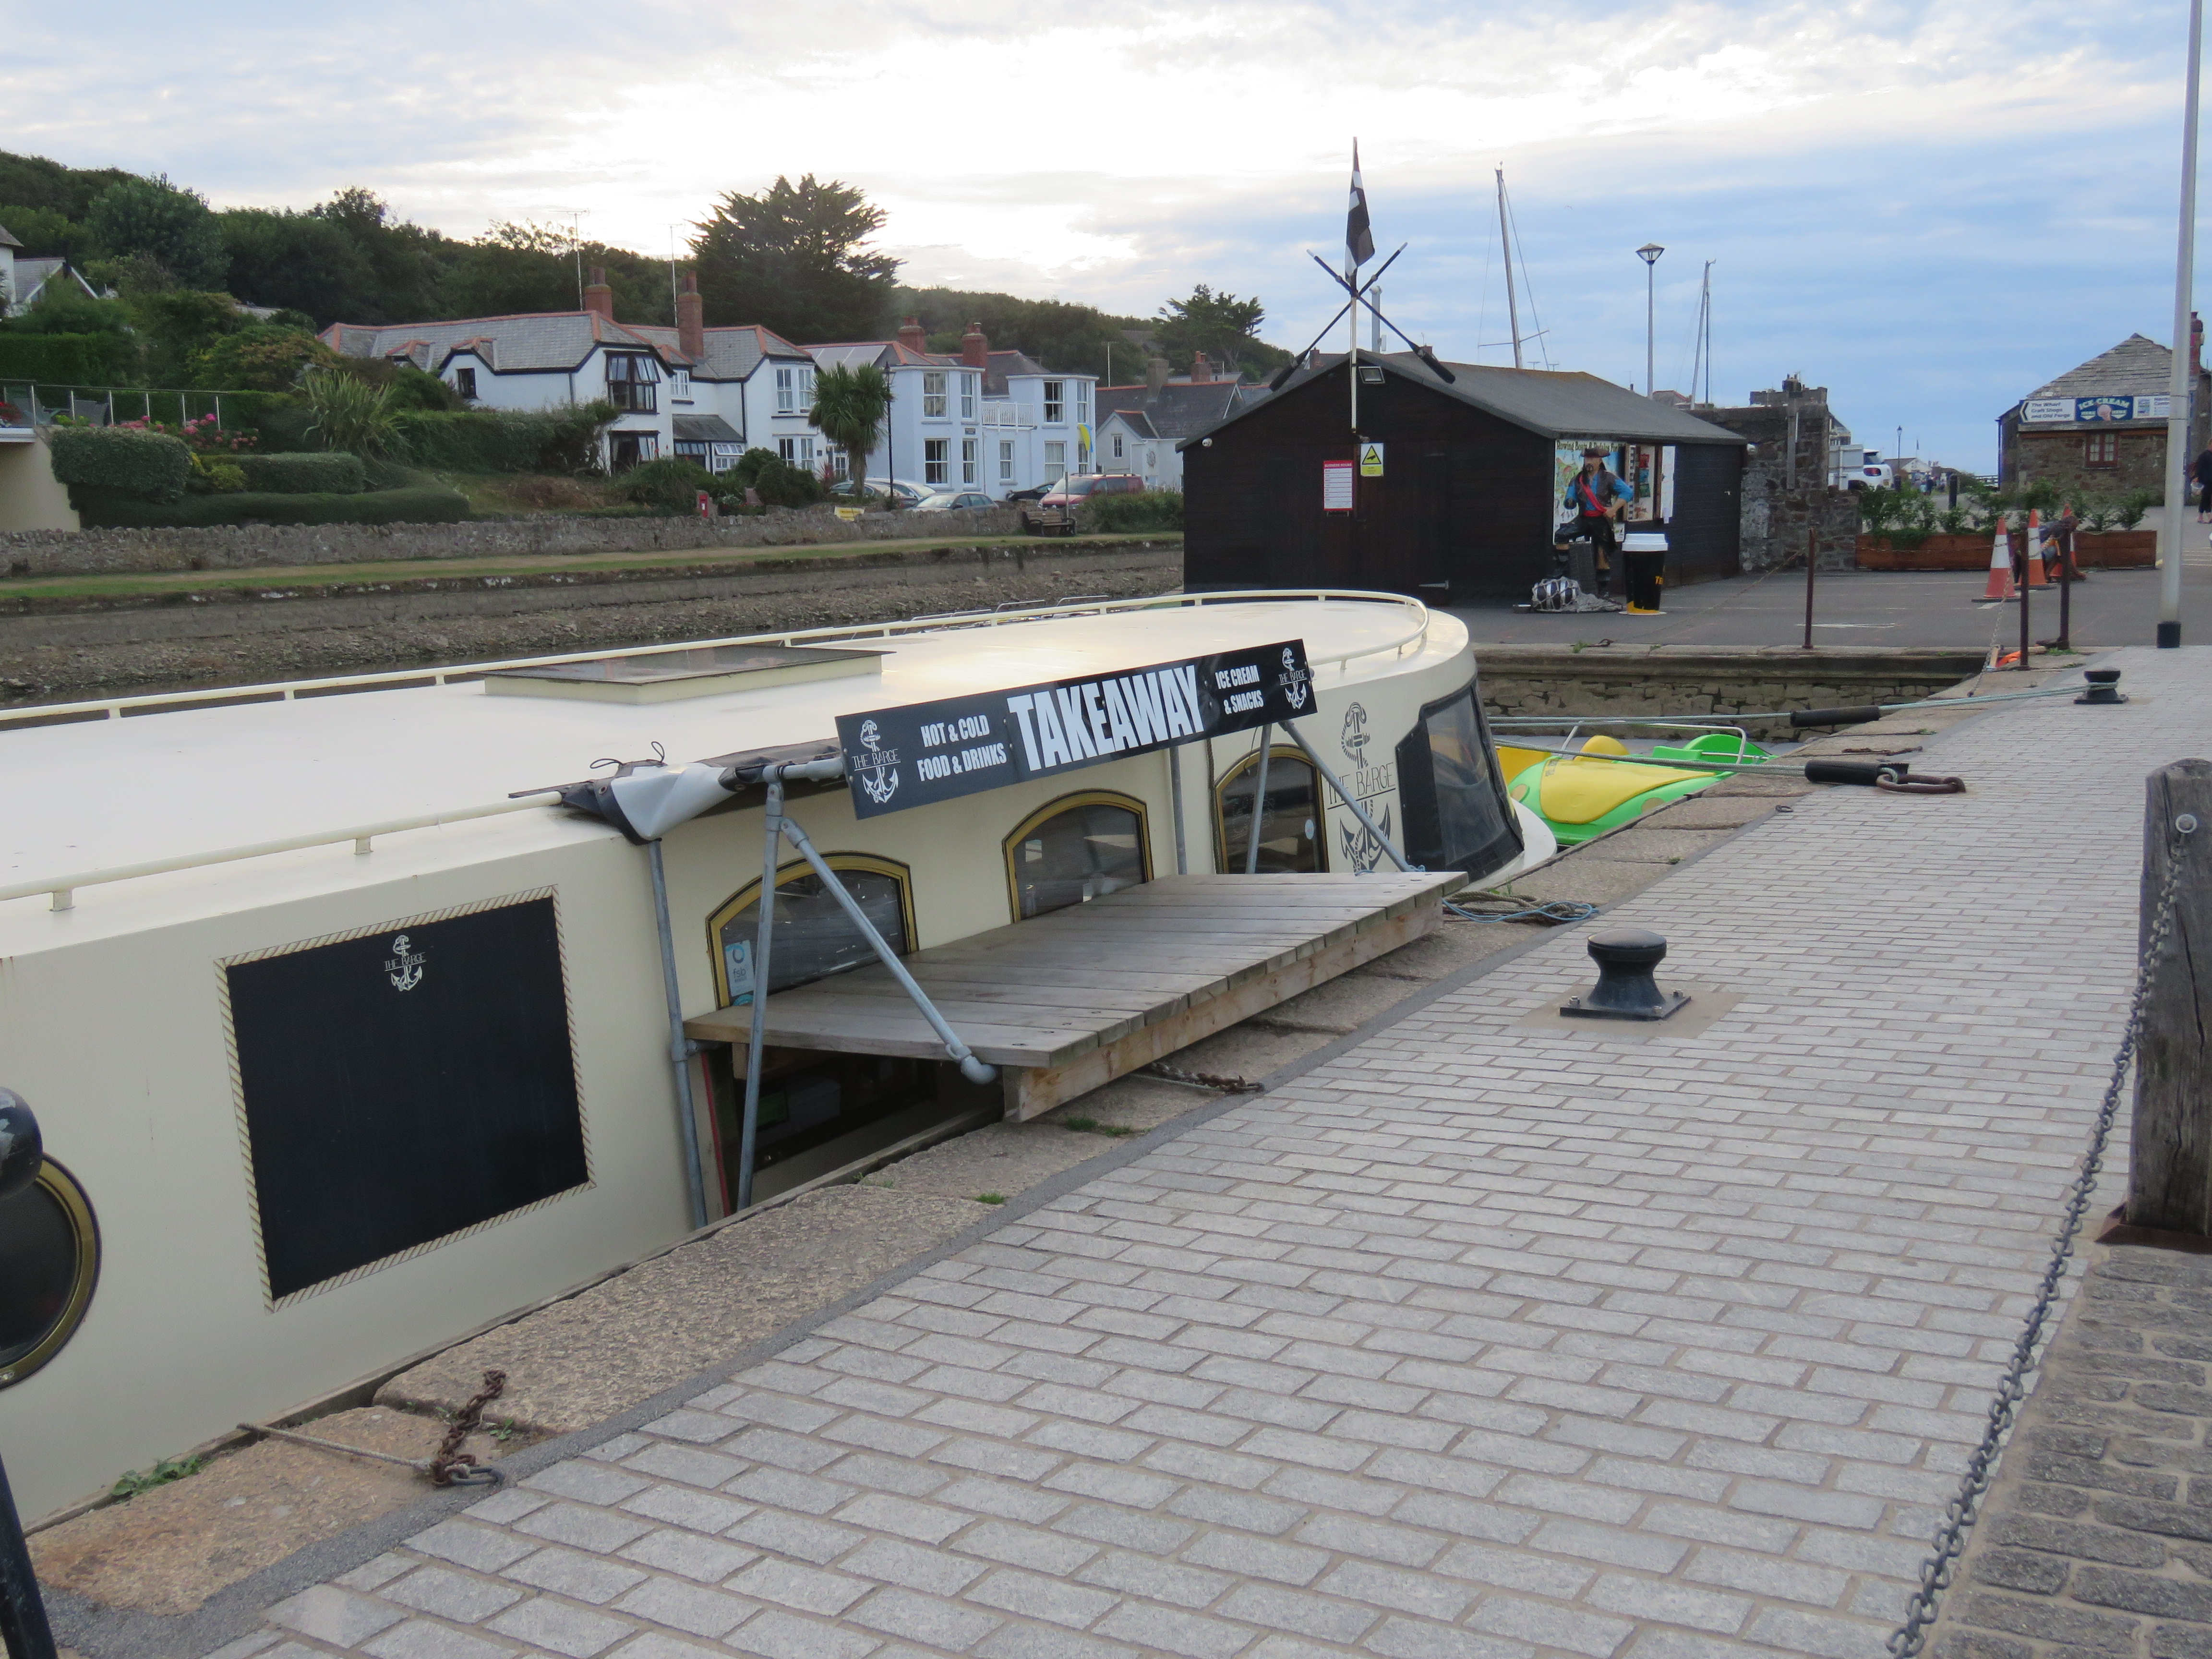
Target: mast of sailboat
{"x": 1705, "y": 352}
{"x": 1505, "y": 242}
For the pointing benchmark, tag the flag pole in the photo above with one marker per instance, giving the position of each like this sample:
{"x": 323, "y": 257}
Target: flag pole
{"x": 2179, "y": 425}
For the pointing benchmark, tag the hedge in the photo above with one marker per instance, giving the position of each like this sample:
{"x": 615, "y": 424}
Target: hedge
{"x": 103, "y": 509}
{"x": 66, "y": 359}
{"x": 327, "y": 472}
{"x": 503, "y": 441}
{"x": 1150, "y": 509}
{"x": 151, "y": 466}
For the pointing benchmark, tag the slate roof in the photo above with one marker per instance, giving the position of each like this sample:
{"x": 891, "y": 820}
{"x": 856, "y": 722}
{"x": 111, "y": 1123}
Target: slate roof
{"x": 1004, "y": 363}
{"x": 7, "y": 240}
{"x": 706, "y": 428}
{"x": 1559, "y": 405}
{"x": 1178, "y": 409}
{"x": 885, "y": 354}
{"x": 553, "y": 341}
{"x": 2135, "y": 366}
{"x": 731, "y": 353}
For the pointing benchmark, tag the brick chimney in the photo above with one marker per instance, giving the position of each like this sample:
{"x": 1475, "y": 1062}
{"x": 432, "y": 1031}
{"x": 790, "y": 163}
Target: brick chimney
{"x": 2196, "y": 343}
{"x": 690, "y": 320}
{"x": 597, "y": 296}
{"x": 911, "y": 336}
{"x": 976, "y": 347}
{"x": 1202, "y": 370}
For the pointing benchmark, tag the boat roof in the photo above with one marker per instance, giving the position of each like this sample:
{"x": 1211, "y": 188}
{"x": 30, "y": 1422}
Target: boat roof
{"x": 98, "y": 794}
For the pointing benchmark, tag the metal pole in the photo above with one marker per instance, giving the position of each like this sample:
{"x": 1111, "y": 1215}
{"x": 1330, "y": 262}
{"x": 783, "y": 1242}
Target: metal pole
{"x": 974, "y": 1070}
{"x": 1349, "y": 799}
{"x": 1259, "y": 803}
{"x": 679, "y": 1049}
{"x": 2026, "y": 576}
{"x": 763, "y": 936}
{"x": 2179, "y": 425}
{"x": 1175, "y": 805}
{"x": 1812, "y": 560}
{"x": 1506, "y": 243}
{"x": 1351, "y": 355}
{"x": 22, "y": 1612}
{"x": 2067, "y": 577}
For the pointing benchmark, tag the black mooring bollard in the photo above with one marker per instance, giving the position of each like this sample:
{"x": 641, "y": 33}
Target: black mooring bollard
{"x": 1625, "y": 988}
{"x": 2104, "y": 686}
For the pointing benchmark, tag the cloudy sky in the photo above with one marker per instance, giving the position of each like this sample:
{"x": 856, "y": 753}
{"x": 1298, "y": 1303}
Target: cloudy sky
{"x": 1930, "y": 207}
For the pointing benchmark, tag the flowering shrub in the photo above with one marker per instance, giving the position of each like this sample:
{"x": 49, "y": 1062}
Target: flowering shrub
{"x": 202, "y": 433}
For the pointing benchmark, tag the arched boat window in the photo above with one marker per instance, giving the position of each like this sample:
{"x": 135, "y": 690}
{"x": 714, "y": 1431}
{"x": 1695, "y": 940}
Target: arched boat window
{"x": 51, "y": 1246}
{"x": 1080, "y": 846}
{"x": 1457, "y": 814}
{"x": 1289, "y": 829}
{"x": 814, "y": 937}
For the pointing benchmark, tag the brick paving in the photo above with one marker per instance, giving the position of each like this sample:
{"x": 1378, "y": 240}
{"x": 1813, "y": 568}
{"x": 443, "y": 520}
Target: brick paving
{"x": 1477, "y": 1342}
{"x": 2098, "y": 1534}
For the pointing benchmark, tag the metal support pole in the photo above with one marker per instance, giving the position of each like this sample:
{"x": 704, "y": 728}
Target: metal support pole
{"x": 974, "y": 1070}
{"x": 1259, "y": 803}
{"x": 1349, "y": 799}
{"x": 2179, "y": 387}
{"x": 1812, "y": 560}
{"x": 22, "y": 1612}
{"x": 1175, "y": 805}
{"x": 679, "y": 1049}
{"x": 2026, "y": 578}
{"x": 2068, "y": 576}
{"x": 763, "y": 936}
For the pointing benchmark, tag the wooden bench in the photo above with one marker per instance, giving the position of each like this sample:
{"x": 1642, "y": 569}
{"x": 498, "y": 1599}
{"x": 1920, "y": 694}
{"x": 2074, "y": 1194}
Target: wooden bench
{"x": 1072, "y": 1000}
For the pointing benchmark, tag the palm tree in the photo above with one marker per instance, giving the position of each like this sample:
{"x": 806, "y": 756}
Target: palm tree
{"x": 849, "y": 406}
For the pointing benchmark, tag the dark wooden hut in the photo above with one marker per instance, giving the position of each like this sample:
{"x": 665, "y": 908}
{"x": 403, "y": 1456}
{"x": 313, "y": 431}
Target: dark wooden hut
{"x": 1474, "y": 466}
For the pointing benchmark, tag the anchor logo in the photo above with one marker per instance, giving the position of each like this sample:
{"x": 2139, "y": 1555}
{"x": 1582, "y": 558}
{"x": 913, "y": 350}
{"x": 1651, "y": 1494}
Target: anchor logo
{"x": 878, "y": 769}
{"x": 1353, "y": 739}
{"x": 1364, "y": 850}
{"x": 1296, "y": 680}
{"x": 404, "y": 969}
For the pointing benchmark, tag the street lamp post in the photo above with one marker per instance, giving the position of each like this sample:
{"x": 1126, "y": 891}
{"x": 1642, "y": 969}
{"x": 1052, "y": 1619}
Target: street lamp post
{"x": 1650, "y": 253}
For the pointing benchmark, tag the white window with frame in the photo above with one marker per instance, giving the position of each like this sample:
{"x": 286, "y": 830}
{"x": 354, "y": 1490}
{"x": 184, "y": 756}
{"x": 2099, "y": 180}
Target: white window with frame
{"x": 679, "y": 384}
{"x": 968, "y": 384}
{"x": 464, "y": 382}
{"x": 788, "y": 448}
{"x": 806, "y": 388}
{"x": 786, "y": 391}
{"x": 933, "y": 395}
{"x": 1006, "y": 461}
{"x": 1055, "y": 460}
{"x": 806, "y": 454}
{"x": 968, "y": 468}
{"x": 1082, "y": 402}
{"x": 936, "y": 460}
{"x": 1117, "y": 446}
{"x": 1055, "y": 403}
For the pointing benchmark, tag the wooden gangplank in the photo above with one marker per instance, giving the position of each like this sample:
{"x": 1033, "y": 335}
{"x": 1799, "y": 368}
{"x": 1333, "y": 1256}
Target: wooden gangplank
{"x": 1074, "y": 999}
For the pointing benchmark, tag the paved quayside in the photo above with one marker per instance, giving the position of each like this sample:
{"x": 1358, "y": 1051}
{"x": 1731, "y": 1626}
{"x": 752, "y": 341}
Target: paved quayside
{"x": 1480, "y": 1340}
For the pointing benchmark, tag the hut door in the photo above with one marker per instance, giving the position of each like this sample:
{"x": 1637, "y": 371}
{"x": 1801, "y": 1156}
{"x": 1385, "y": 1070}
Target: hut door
{"x": 1430, "y": 574}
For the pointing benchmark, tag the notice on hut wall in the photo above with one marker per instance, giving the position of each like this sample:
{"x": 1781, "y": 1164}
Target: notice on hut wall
{"x": 896, "y": 758}
{"x": 1336, "y": 486}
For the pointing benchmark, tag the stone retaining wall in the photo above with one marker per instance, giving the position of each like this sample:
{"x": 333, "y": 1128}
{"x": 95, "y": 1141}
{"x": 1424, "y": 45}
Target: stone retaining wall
{"x": 1546, "y": 680}
{"x": 83, "y": 552}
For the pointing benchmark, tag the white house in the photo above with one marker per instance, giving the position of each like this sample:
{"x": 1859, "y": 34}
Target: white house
{"x": 24, "y": 276}
{"x": 995, "y": 421}
{"x": 1139, "y": 426}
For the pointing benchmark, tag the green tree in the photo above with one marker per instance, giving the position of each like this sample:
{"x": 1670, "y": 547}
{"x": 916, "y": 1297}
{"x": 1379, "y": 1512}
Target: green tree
{"x": 299, "y": 261}
{"x": 406, "y": 260}
{"x": 1072, "y": 339}
{"x": 156, "y": 220}
{"x": 259, "y": 357}
{"x": 532, "y": 267}
{"x": 1223, "y": 326}
{"x": 45, "y": 230}
{"x": 792, "y": 258}
{"x": 849, "y": 406}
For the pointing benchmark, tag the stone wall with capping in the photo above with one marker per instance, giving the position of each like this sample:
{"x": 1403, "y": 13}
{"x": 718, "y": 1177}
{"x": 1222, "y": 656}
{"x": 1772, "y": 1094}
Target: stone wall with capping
{"x": 90, "y": 552}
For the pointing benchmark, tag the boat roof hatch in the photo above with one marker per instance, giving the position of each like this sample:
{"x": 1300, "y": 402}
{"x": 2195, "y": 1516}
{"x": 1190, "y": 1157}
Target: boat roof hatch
{"x": 668, "y": 676}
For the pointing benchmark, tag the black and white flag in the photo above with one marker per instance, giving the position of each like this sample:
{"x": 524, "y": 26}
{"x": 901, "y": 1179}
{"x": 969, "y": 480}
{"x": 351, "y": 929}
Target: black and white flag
{"x": 1358, "y": 240}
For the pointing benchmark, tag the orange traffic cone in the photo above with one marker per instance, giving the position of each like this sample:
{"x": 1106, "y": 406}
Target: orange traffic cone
{"x": 2037, "y": 575}
{"x": 2000, "y": 584}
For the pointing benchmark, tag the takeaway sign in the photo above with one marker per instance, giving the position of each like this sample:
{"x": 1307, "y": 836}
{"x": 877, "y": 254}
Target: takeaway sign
{"x": 896, "y": 758}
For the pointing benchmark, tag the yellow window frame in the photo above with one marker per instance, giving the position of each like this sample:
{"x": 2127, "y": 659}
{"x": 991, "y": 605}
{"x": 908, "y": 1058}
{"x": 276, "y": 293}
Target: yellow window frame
{"x": 868, "y": 863}
{"x": 1053, "y": 809}
{"x": 84, "y": 1232}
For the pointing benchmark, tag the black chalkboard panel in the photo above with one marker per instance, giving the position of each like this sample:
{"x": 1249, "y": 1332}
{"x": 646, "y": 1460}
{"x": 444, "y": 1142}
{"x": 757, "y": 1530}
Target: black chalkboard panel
{"x": 405, "y": 1086}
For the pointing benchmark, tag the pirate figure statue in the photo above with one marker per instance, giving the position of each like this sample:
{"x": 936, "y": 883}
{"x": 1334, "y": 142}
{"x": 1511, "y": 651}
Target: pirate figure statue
{"x": 1597, "y": 499}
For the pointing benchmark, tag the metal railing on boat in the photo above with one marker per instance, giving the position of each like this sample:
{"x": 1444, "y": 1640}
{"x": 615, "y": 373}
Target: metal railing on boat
{"x": 62, "y": 889}
{"x": 162, "y": 703}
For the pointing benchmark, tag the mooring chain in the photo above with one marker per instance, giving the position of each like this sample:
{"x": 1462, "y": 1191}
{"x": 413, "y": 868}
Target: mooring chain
{"x": 1227, "y": 1085}
{"x": 1959, "y": 1518}
{"x": 449, "y": 1465}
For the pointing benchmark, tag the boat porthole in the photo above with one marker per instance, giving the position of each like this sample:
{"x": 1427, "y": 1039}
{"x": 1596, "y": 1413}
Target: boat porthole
{"x": 51, "y": 1243}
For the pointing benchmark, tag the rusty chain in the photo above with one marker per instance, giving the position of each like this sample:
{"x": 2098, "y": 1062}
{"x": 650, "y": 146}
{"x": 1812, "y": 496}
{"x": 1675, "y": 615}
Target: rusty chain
{"x": 1227, "y": 1085}
{"x": 449, "y": 1465}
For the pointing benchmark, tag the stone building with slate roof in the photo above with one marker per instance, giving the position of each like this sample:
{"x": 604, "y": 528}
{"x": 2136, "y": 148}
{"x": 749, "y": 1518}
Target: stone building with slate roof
{"x": 2100, "y": 428}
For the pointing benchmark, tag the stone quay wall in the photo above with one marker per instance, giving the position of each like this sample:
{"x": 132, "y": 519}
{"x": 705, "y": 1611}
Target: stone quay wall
{"x": 87, "y": 552}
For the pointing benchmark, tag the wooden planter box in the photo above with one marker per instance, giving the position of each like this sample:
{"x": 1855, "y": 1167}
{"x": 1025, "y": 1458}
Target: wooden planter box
{"x": 2098, "y": 550}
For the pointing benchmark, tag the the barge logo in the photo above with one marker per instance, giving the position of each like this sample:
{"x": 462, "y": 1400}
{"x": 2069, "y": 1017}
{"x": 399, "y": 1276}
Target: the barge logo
{"x": 1354, "y": 736}
{"x": 1298, "y": 680}
{"x": 404, "y": 966}
{"x": 877, "y": 768}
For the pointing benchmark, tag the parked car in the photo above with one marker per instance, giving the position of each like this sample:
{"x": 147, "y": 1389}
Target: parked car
{"x": 1036, "y": 492}
{"x": 1056, "y": 512}
{"x": 950, "y": 500}
{"x": 907, "y": 493}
